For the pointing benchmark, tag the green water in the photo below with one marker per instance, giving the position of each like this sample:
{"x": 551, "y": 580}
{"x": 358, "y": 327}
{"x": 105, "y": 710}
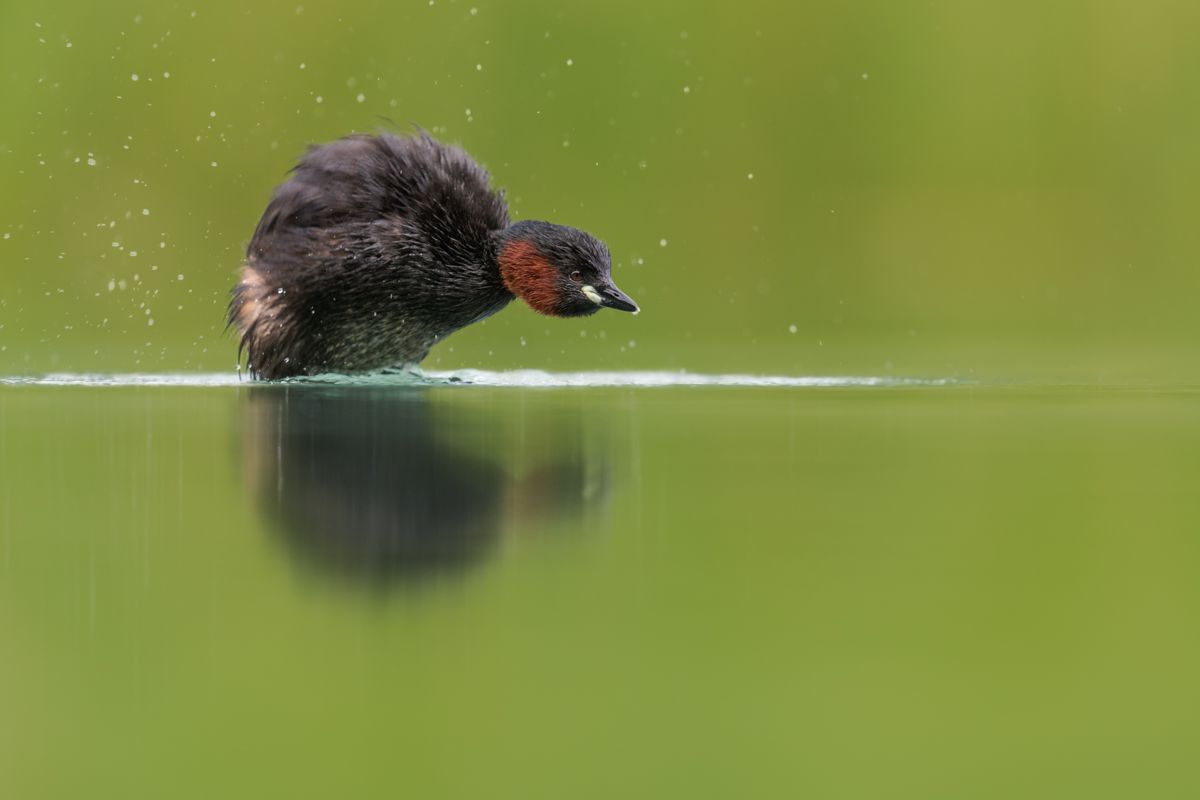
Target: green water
{"x": 463, "y": 591}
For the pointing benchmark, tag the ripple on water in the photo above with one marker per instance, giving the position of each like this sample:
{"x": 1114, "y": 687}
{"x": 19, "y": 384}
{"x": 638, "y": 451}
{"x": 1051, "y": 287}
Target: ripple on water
{"x": 475, "y": 377}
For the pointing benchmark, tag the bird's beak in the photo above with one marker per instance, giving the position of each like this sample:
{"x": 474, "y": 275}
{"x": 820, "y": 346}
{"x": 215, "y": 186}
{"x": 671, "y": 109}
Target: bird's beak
{"x": 612, "y": 297}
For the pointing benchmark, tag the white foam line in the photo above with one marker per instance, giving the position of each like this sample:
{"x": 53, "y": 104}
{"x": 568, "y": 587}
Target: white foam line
{"x": 514, "y": 378}
{"x": 536, "y": 378}
{"x": 125, "y": 379}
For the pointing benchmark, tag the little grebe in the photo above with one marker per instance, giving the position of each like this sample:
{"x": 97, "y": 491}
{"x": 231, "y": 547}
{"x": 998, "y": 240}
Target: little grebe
{"x": 378, "y": 247}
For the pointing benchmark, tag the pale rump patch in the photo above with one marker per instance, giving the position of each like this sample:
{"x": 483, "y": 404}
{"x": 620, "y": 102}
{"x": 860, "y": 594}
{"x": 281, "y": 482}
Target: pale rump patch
{"x": 249, "y": 292}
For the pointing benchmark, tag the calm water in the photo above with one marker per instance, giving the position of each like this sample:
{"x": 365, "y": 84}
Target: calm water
{"x": 850, "y": 591}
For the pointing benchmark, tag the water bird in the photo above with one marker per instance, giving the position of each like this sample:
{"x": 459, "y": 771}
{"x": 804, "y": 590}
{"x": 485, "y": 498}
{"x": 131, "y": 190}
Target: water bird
{"x": 379, "y": 246}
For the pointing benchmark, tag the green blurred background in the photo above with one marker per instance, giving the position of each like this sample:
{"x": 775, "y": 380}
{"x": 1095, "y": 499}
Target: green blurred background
{"x": 961, "y": 590}
{"x": 999, "y": 191}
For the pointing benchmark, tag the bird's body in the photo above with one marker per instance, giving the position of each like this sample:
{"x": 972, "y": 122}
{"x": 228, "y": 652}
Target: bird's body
{"x": 378, "y": 247}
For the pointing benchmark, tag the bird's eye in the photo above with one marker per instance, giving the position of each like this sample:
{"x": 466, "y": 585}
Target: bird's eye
{"x": 577, "y": 276}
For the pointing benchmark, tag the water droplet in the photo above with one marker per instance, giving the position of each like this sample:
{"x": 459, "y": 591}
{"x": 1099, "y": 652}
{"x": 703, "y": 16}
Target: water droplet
{"x": 662, "y": 242}
{"x": 133, "y": 77}
{"x": 361, "y": 97}
{"x": 791, "y": 328}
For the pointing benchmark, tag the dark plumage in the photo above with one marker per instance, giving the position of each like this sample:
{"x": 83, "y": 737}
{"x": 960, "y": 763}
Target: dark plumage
{"x": 378, "y": 247}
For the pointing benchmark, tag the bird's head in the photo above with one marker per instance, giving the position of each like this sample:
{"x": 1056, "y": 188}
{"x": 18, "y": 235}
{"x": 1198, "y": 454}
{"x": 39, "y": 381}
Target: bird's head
{"x": 558, "y": 270}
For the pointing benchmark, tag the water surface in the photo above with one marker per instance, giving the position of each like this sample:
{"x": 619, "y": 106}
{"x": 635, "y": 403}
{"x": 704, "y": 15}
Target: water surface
{"x": 844, "y": 590}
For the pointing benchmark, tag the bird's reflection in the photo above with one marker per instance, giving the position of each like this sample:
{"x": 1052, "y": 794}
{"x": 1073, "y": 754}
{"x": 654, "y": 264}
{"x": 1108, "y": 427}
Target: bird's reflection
{"x": 387, "y": 485}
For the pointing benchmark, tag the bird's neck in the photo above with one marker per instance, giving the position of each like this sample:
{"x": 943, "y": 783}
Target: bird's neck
{"x": 528, "y": 274}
